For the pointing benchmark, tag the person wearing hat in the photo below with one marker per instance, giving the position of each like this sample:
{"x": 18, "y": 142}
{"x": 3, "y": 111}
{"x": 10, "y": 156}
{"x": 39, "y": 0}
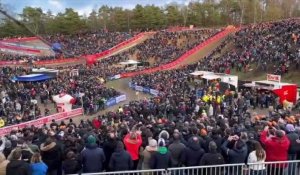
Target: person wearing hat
{"x": 294, "y": 147}
{"x": 162, "y": 158}
{"x": 120, "y": 160}
{"x": 92, "y": 157}
{"x": 148, "y": 153}
{"x": 51, "y": 155}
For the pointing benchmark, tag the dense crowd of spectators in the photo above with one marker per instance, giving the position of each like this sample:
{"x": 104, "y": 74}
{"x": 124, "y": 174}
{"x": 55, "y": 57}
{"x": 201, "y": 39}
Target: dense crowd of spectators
{"x": 163, "y": 47}
{"x": 88, "y": 43}
{"x": 188, "y": 124}
{"x": 75, "y": 45}
{"x": 174, "y": 129}
{"x": 16, "y": 97}
{"x": 271, "y": 47}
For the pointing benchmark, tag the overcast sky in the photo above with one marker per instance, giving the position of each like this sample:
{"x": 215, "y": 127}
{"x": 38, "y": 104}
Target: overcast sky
{"x": 82, "y": 6}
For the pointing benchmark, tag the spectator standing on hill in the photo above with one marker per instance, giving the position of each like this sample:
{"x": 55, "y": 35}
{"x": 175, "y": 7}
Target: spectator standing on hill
{"x": 120, "y": 160}
{"x": 133, "y": 142}
{"x": 37, "y": 166}
{"x": 277, "y": 145}
{"x": 51, "y": 156}
{"x": 147, "y": 154}
{"x": 17, "y": 166}
{"x": 92, "y": 157}
{"x": 258, "y": 157}
{"x": 162, "y": 158}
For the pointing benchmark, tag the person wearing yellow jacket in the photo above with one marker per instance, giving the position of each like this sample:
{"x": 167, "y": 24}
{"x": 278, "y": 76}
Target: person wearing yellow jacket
{"x": 2, "y": 123}
{"x": 205, "y": 98}
{"x": 219, "y": 100}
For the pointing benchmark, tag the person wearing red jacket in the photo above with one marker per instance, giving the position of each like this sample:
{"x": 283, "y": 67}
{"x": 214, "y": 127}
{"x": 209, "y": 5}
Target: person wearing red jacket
{"x": 96, "y": 123}
{"x": 276, "y": 147}
{"x": 133, "y": 142}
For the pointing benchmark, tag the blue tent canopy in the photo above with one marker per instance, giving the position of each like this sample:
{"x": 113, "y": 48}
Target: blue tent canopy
{"x": 56, "y": 47}
{"x": 31, "y": 78}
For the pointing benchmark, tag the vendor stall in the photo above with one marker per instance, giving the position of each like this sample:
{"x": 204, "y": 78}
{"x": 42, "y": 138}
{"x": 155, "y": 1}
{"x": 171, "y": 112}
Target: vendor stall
{"x": 285, "y": 91}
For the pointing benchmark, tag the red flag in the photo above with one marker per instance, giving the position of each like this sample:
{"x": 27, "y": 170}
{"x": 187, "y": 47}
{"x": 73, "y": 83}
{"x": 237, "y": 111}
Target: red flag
{"x": 287, "y": 92}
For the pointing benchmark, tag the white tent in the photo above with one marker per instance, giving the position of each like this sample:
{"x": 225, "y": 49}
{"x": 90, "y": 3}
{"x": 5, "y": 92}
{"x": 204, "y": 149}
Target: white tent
{"x": 45, "y": 70}
{"x": 197, "y": 73}
{"x": 129, "y": 62}
{"x": 230, "y": 79}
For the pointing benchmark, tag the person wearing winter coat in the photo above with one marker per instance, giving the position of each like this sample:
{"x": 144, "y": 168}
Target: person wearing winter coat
{"x": 162, "y": 158}
{"x": 120, "y": 160}
{"x": 277, "y": 147}
{"x": 3, "y": 164}
{"x": 92, "y": 157}
{"x": 17, "y": 166}
{"x": 176, "y": 149}
{"x": 294, "y": 141}
{"x": 213, "y": 157}
{"x": 71, "y": 165}
{"x": 294, "y": 146}
{"x": 239, "y": 152}
{"x": 164, "y": 135}
{"x": 51, "y": 155}
{"x": 133, "y": 142}
{"x": 148, "y": 153}
{"x": 193, "y": 152}
{"x": 109, "y": 147}
{"x": 258, "y": 157}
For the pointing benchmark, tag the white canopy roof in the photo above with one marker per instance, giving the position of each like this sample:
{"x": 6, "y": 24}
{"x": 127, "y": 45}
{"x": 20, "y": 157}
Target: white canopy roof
{"x": 45, "y": 70}
{"x": 211, "y": 77}
{"x": 129, "y": 62}
{"x": 196, "y": 73}
{"x": 230, "y": 79}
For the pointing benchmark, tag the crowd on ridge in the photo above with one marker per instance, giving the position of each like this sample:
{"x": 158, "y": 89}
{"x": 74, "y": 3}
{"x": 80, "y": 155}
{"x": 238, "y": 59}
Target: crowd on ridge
{"x": 74, "y": 46}
{"x": 271, "y": 47}
{"x": 163, "y": 47}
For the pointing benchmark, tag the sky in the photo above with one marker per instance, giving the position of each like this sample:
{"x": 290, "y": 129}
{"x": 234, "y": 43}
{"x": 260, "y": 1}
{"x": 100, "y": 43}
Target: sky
{"x": 81, "y": 6}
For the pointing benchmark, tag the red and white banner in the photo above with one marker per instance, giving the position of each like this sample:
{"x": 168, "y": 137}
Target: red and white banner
{"x": 183, "y": 57}
{"x": 272, "y": 77}
{"x": 16, "y": 48}
{"x": 20, "y": 39}
{"x": 41, "y": 121}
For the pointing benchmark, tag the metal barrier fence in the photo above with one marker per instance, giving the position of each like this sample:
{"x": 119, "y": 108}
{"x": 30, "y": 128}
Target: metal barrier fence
{"x": 135, "y": 172}
{"x": 267, "y": 168}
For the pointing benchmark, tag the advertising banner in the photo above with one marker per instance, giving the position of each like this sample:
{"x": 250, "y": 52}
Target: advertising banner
{"x": 154, "y": 92}
{"x": 139, "y": 88}
{"x": 120, "y": 98}
{"x": 41, "y": 121}
{"x": 111, "y": 102}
